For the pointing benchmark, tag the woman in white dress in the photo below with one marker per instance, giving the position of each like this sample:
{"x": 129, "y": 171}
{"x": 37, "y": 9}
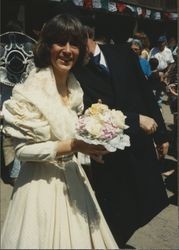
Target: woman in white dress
{"x": 53, "y": 205}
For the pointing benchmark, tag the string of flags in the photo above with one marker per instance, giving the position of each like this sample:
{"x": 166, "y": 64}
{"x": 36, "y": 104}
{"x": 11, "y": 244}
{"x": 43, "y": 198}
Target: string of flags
{"x": 126, "y": 9}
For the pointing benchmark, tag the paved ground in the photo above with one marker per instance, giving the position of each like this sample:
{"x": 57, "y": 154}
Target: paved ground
{"x": 162, "y": 232}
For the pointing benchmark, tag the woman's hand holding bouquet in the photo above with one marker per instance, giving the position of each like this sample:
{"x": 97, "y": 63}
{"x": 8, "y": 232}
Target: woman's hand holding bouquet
{"x": 85, "y": 150}
{"x": 102, "y": 126}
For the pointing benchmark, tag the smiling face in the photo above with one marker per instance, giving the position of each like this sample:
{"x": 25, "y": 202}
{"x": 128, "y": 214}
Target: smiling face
{"x": 63, "y": 56}
{"x": 62, "y": 43}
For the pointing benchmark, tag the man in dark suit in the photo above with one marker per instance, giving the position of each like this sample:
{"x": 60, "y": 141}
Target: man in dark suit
{"x": 128, "y": 185}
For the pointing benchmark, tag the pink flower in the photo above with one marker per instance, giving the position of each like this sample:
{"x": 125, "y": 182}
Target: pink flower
{"x": 100, "y": 125}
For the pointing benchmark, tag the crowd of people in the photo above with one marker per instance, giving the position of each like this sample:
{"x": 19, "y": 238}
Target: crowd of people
{"x": 56, "y": 203}
{"x": 159, "y": 65}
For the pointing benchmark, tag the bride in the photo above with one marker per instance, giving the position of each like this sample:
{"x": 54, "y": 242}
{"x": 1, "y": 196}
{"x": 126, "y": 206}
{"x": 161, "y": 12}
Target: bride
{"x": 53, "y": 205}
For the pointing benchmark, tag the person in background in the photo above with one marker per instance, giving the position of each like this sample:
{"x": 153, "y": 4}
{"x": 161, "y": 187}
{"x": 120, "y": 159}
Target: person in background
{"x": 145, "y": 44}
{"x": 136, "y": 46}
{"x": 53, "y": 205}
{"x": 172, "y": 75}
{"x": 128, "y": 186}
{"x": 156, "y": 80}
{"x": 164, "y": 56}
{"x": 172, "y": 92}
{"x": 172, "y": 43}
{"x": 173, "y": 98}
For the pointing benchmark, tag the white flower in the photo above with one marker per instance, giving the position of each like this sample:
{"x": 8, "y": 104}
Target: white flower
{"x": 94, "y": 129}
{"x": 119, "y": 118}
{"x": 100, "y": 125}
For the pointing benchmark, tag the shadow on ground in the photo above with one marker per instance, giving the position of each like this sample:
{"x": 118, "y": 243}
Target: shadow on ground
{"x": 169, "y": 172}
{"x": 171, "y": 185}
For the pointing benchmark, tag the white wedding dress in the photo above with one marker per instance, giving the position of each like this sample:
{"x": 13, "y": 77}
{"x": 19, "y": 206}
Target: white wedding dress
{"x": 53, "y": 205}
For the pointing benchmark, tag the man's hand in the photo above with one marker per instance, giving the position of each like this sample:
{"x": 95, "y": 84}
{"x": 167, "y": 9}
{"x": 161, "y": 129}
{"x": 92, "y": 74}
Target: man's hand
{"x": 98, "y": 158}
{"x": 148, "y": 124}
{"x": 162, "y": 149}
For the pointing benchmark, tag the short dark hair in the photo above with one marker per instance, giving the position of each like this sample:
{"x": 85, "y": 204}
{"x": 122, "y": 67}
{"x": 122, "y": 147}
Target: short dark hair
{"x": 153, "y": 63}
{"x": 90, "y": 32}
{"x": 61, "y": 27}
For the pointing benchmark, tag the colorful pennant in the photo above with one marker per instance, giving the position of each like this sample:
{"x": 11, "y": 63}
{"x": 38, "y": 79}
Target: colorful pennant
{"x": 123, "y": 8}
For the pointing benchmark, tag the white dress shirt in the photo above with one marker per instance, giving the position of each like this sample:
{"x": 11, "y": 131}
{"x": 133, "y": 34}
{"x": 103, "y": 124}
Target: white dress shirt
{"x": 164, "y": 57}
{"x": 102, "y": 59}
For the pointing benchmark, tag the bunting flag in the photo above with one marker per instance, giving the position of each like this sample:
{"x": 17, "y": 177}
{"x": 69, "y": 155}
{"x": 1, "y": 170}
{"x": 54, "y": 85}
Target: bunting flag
{"x": 170, "y": 16}
{"x": 112, "y": 7}
{"x": 123, "y": 8}
{"x": 148, "y": 13}
{"x": 104, "y": 4}
{"x": 156, "y": 15}
{"x": 97, "y": 4}
{"x": 88, "y": 4}
{"x": 78, "y": 2}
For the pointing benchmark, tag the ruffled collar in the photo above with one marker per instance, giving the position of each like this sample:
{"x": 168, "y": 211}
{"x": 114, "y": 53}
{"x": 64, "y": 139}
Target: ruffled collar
{"x": 40, "y": 90}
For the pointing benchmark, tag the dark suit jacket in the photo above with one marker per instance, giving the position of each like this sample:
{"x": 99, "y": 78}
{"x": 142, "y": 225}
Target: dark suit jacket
{"x": 128, "y": 185}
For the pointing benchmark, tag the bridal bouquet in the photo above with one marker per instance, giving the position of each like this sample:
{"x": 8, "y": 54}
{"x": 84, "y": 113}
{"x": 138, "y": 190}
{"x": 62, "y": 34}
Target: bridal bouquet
{"x": 101, "y": 125}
